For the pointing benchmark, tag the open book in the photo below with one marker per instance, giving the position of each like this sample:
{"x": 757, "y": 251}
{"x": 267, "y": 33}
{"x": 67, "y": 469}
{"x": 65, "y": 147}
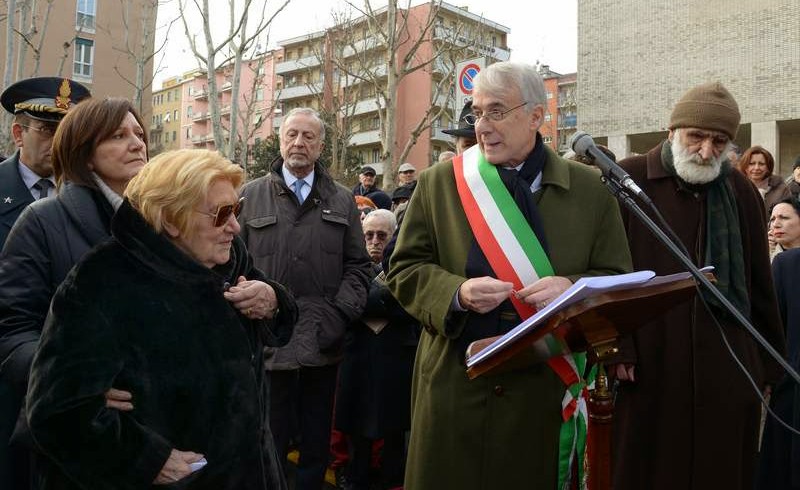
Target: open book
{"x": 598, "y": 304}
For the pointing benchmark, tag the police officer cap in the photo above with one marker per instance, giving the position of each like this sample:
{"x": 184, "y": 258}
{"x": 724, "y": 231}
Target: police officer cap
{"x": 43, "y": 98}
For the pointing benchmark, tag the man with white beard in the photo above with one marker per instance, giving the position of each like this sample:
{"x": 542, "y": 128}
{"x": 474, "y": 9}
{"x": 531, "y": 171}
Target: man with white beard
{"x": 686, "y": 416}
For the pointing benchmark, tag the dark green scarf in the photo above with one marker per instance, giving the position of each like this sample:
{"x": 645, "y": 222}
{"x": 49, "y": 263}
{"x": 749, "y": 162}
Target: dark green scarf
{"x": 723, "y": 235}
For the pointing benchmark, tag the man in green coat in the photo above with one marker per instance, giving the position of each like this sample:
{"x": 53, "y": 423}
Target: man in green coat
{"x": 500, "y": 430}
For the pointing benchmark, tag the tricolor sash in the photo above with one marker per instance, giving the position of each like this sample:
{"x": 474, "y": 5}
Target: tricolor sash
{"x": 516, "y": 256}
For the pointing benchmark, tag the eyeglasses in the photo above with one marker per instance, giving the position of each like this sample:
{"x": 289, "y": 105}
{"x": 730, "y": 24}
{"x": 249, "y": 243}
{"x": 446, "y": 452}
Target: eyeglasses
{"x": 47, "y": 131}
{"x": 382, "y": 235}
{"x": 224, "y": 212}
{"x": 495, "y": 115}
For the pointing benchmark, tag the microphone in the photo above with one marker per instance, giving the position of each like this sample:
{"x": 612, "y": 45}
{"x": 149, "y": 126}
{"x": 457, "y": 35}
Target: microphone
{"x": 583, "y": 144}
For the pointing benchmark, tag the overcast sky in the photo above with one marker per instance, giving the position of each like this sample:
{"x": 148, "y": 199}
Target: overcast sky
{"x": 546, "y": 33}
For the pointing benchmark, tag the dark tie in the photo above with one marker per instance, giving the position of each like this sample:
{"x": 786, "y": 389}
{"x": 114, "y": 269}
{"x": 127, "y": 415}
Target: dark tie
{"x": 298, "y": 187}
{"x": 519, "y": 184}
{"x": 43, "y": 186}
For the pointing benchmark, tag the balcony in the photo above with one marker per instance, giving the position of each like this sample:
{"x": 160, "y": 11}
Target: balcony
{"x": 366, "y": 138}
{"x": 299, "y": 91}
{"x": 361, "y": 46}
{"x": 376, "y": 71}
{"x": 201, "y": 94}
{"x": 198, "y": 139}
{"x": 227, "y": 86}
{"x": 200, "y": 116}
{"x": 225, "y": 111}
{"x": 364, "y": 107}
{"x": 438, "y": 135}
{"x": 276, "y": 122}
{"x": 569, "y": 121}
{"x": 297, "y": 65}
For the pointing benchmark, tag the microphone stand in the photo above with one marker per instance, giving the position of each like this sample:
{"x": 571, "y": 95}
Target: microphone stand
{"x": 620, "y": 193}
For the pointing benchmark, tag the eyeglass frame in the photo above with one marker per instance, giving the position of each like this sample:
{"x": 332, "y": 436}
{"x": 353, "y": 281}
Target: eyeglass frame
{"x": 496, "y": 115}
{"x": 46, "y": 130}
{"x": 235, "y": 210}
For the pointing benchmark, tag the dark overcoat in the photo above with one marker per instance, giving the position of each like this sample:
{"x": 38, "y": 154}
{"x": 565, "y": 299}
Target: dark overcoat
{"x": 317, "y": 250}
{"x": 779, "y": 463}
{"x": 140, "y": 315}
{"x": 14, "y": 195}
{"x": 496, "y": 431}
{"x": 374, "y": 393}
{"x": 48, "y": 238}
{"x": 691, "y": 419}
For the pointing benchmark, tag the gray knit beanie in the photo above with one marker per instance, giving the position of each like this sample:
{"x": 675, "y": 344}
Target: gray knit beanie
{"x": 707, "y": 106}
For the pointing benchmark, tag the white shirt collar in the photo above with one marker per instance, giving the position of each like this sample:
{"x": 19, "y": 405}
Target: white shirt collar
{"x": 290, "y": 179}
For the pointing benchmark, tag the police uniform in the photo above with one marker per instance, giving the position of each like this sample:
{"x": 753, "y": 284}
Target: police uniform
{"x": 44, "y": 99}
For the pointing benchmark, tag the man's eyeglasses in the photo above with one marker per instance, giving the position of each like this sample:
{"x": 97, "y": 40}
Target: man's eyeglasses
{"x": 382, "y": 235}
{"x": 495, "y": 115}
{"x": 47, "y": 131}
{"x": 224, "y": 212}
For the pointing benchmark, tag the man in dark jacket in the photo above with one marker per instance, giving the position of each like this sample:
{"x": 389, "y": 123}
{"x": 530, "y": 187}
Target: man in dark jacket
{"x": 686, "y": 415}
{"x": 304, "y": 231}
{"x": 38, "y": 104}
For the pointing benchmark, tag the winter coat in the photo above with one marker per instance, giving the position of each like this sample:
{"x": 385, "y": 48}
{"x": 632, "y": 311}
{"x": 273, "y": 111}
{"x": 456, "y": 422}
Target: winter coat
{"x": 50, "y": 236}
{"x": 139, "y": 314}
{"x": 691, "y": 419}
{"x": 779, "y": 462}
{"x": 498, "y": 431}
{"x": 14, "y": 195}
{"x": 374, "y": 393}
{"x": 777, "y": 191}
{"x": 317, "y": 250}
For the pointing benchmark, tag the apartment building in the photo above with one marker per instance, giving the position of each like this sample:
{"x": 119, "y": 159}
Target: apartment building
{"x": 165, "y": 126}
{"x": 560, "y": 118}
{"x": 253, "y": 114}
{"x": 98, "y": 44}
{"x": 635, "y": 60}
{"x": 340, "y": 72}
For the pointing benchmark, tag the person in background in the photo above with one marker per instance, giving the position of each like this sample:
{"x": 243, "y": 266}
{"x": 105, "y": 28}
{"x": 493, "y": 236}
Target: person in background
{"x": 446, "y": 156}
{"x": 365, "y": 206}
{"x": 38, "y": 105}
{"x": 406, "y": 174}
{"x": 374, "y": 394}
{"x": 499, "y": 430}
{"x": 779, "y": 459}
{"x": 758, "y": 165}
{"x": 793, "y": 181}
{"x": 98, "y": 147}
{"x": 401, "y": 195}
{"x": 784, "y": 225}
{"x": 172, "y": 310}
{"x": 675, "y": 372}
{"x": 465, "y": 132}
{"x": 304, "y": 231}
{"x": 734, "y": 154}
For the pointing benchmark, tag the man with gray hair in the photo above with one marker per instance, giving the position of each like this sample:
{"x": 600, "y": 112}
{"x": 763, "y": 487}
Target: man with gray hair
{"x": 686, "y": 415}
{"x": 509, "y": 200}
{"x": 303, "y": 230}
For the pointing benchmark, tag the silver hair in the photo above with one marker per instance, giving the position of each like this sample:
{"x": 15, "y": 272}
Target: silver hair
{"x": 308, "y": 112}
{"x": 500, "y": 76}
{"x": 384, "y": 215}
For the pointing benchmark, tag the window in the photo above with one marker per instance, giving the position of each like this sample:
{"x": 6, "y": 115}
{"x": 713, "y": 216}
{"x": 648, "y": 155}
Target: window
{"x": 188, "y": 112}
{"x": 166, "y": 117}
{"x": 260, "y": 94}
{"x": 549, "y": 94}
{"x": 376, "y": 155}
{"x": 175, "y": 115}
{"x": 169, "y": 96}
{"x": 174, "y": 135}
{"x": 85, "y": 15}
{"x": 84, "y": 55}
{"x": 299, "y": 53}
{"x": 547, "y": 118}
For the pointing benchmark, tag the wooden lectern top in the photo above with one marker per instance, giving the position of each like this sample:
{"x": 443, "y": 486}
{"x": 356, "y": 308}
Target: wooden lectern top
{"x": 591, "y": 324}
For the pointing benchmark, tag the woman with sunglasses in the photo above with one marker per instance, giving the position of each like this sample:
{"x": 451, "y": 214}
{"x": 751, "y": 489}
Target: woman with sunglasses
{"x": 171, "y": 310}
{"x": 98, "y": 146}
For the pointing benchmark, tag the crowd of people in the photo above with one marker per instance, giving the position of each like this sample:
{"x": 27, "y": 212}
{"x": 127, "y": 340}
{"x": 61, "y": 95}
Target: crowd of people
{"x": 165, "y": 323}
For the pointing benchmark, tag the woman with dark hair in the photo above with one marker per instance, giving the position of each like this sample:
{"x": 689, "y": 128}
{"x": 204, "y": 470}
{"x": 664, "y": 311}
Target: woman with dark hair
{"x": 784, "y": 225}
{"x": 780, "y": 451}
{"x": 98, "y": 146}
{"x": 171, "y": 310}
{"x": 757, "y": 165}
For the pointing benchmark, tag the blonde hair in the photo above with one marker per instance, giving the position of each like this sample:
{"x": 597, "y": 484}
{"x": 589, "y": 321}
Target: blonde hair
{"x": 174, "y": 183}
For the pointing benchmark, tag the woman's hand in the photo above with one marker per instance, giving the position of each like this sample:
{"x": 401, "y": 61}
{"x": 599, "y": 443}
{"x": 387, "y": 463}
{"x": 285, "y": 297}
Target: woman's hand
{"x": 255, "y": 299}
{"x": 177, "y": 467}
{"x": 119, "y": 400}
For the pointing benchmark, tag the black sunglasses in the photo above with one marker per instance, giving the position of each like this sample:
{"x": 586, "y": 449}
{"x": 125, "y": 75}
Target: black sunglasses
{"x": 224, "y": 212}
